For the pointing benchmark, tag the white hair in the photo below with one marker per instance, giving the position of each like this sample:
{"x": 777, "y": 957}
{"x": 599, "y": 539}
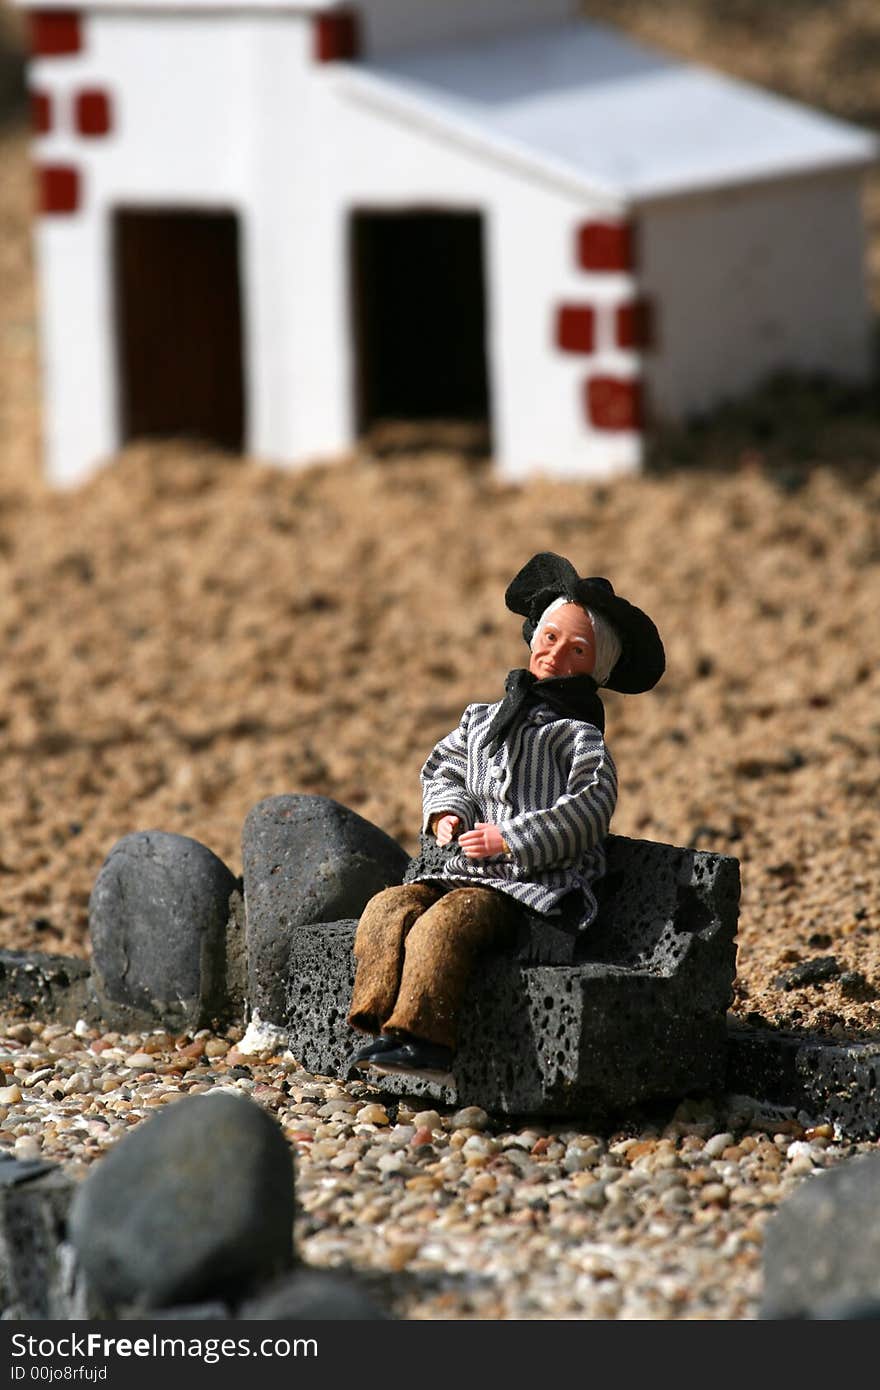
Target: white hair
{"x": 608, "y": 646}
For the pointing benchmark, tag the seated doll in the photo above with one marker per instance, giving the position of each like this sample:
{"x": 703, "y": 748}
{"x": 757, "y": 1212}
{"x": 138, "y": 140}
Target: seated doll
{"x": 522, "y": 792}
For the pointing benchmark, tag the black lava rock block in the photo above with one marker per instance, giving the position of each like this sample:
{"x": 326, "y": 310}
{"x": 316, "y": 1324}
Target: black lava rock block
{"x": 640, "y": 1013}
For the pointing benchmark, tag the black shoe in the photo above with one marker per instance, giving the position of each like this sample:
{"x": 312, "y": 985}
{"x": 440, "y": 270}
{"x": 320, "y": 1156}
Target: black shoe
{"x": 374, "y": 1048}
{"x": 415, "y": 1058}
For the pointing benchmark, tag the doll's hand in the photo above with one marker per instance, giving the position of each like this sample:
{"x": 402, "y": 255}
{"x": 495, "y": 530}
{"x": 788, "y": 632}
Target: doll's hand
{"x": 445, "y": 828}
{"x": 482, "y": 842}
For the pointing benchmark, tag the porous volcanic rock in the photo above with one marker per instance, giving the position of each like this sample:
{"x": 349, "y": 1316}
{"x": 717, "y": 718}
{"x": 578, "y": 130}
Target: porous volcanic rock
{"x": 642, "y": 1015}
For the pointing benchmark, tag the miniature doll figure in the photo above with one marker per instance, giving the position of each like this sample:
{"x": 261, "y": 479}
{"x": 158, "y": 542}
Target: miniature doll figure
{"x": 521, "y": 793}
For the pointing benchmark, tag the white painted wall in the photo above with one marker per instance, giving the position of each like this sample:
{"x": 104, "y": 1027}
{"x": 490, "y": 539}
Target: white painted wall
{"x": 76, "y": 348}
{"x": 206, "y": 116}
{"x": 536, "y": 392}
{"x": 752, "y": 280}
{"x": 234, "y": 115}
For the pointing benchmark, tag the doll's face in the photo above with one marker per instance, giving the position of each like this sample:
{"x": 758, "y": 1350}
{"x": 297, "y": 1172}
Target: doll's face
{"x": 564, "y": 644}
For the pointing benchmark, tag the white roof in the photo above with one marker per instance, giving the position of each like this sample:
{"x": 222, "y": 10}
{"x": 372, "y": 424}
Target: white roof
{"x": 583, "y": 105}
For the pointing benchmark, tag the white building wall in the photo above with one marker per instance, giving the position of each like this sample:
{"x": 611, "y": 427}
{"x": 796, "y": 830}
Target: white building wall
{"x": 76, "y": 347}
{"x": 282, "y": 212}
{"x": 749, "y": 281}
{"x": 235, "y": 115}
{"x": 204, "y": 116}
{"x": 536, "y": 392}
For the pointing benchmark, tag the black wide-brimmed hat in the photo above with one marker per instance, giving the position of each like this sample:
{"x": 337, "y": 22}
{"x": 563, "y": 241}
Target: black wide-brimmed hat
{"x": 546, "y": 577}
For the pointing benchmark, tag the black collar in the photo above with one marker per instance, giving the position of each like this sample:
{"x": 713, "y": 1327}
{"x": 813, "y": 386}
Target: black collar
{"x": 574, "y": 697}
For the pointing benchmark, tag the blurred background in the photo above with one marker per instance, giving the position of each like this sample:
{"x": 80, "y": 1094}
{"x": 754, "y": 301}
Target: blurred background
{"x": 189, "y": 632}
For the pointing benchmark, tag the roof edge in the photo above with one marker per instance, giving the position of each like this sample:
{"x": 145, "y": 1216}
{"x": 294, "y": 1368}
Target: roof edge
{"x": 380, "y": 94}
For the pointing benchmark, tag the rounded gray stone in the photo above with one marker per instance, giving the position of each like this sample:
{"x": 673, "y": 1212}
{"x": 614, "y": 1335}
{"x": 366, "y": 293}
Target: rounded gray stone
{"x": 158, "y": 918}
{"x": 822, "y": 1248}
{"x": 313, "y": 1295}
{"x": 194, "y": 1205}
{"x": 306, "y": 859}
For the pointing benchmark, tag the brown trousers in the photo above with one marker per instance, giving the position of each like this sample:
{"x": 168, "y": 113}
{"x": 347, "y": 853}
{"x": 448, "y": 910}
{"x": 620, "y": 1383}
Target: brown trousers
{"x": 415, "y": 945}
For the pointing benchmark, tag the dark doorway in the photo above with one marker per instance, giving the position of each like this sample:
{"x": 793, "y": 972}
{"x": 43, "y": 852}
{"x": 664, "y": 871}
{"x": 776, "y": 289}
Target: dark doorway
{"x": 420, "y": 318}
{"x": 178, "y": 308}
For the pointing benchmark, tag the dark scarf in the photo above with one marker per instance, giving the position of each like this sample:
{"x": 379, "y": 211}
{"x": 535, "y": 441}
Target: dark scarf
{"x": 575, "y": 697}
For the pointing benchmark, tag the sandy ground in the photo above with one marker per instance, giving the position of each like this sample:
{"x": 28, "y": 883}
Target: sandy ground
{"x": 190, "y": 632}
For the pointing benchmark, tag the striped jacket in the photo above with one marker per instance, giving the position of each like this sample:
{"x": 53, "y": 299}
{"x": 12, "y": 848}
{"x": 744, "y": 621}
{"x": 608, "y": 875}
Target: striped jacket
{"x": 551, "y": 790}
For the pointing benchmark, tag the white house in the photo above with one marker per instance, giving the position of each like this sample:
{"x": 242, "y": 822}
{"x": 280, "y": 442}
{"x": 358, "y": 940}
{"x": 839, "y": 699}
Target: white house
{"x": 274, "y": 222}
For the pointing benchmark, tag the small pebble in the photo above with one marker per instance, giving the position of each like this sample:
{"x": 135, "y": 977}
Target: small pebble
{"x": 800, "y": 1149}
{"x": 471, "y": 1117}
{"x": 800, "y": 1165}
{"x": 479, "y": 1144}
{"x": 427, "y": 1119}
{"x": 400, "y": 1136}
{"x": 672, "y": 1199}
{"x": 714, "y": 1147}
{"x": 27, "y": 1146}
{"x": 393, "y": 1162}
{"x": 576, "y": 1160}
{"x": 36, "y": 1076}
{"x": 372, "y": 1114}
{"x": 715, "y": 1192}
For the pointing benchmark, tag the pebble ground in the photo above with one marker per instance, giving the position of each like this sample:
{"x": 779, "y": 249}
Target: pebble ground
{"x": 454, "y": 1214}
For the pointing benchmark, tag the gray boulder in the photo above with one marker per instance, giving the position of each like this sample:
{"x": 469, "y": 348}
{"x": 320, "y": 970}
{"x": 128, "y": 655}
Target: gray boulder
{"x": 193, "y": 1206}
{"x": 163, "y": 934}
{"x": 822, "y": 1248}
{"x": 306, "y": 859}
{"x": 639, "y": 1012}
{"x": 313, "y": 1295}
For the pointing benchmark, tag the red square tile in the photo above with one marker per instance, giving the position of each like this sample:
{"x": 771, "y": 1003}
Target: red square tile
{"x": 606, "y": 246}
{"x": 92, "y": 112}
{"x": 615, "y": 403}
{"x": 55, "y": 32}
{"x": 57, "y": 188}
{"x": 575, "y": 328}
